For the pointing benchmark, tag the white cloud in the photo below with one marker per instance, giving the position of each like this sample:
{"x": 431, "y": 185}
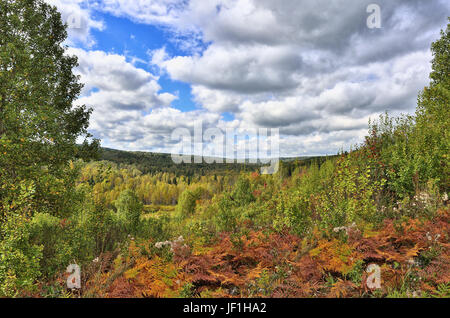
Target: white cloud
{"x": 118, "y": 91}
{"x": 152, "y": 131}
{"x": 312, "y": 68}
{"x": 243, "y": 69}
{"x": 79, "y": 17}
{"x": 308, "y": 68}
{"x": 216, "y": 100}
{"x": 143, "y": 11}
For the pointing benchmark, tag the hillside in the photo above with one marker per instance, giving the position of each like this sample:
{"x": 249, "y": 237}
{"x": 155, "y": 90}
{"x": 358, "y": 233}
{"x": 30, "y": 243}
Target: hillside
{"x": 82, "y": 221}
{"x": 151, "y": 162}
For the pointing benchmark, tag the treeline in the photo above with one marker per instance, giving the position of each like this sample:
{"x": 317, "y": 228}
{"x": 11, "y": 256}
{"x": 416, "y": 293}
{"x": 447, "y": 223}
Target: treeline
{"x": 107, "y": 180}
{"x": 151, "y": 163}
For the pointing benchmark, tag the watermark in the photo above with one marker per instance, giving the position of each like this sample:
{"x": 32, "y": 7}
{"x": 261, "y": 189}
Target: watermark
{"x": 374, "y": 19}
{"x": 74, "y": 21}
{"x": 75, "y": 15}
{"x": 374, "y": 279}
{"x": 232, "y": 145}
{"x": 74, "y": 279}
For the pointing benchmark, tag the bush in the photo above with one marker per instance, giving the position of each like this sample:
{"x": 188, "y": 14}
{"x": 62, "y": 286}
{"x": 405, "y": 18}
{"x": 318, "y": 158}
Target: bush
{"x": 129, "y": 210}
{"x": 19, "y": 258}
{"x": 242, "y": 193}
{"x": 53, "y": 235}
{"x": 353, "y": 192}
{"x": 155, "y": 228}
{"x": 227, "y": 214}
{"x": 293, "y": 212}
{"x": 186, "y": 204}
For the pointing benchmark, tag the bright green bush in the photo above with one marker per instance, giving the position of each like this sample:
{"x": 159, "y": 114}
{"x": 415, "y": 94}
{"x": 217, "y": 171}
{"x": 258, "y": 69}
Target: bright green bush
{"x": 129, "y": 210}
{"x": 186, "y": 203}
{"x": 227, "y": 214}
{"x": 242, "y": 192}
{"x": 19, "y": 257}
{"x": 54, "y": 236}
{"x": 157, "y": 229}
{"x": 293, "y": 212}
{"x": 353, "y": 194}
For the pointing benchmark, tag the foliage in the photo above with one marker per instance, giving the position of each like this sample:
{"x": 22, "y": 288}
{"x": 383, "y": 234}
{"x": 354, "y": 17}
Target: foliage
{"x": 187, "y": 203}
{"x": 141, "y": 226}
{"x": 129, "y": 210}
{"x": 39, "y": 127}
{"x": 38, "y": 119}
{"x": 312, "y": 229}
{"x": 284, "y": 265}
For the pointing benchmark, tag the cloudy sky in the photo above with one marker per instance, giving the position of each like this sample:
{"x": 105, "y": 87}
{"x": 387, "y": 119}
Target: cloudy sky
{"x": 311, "y": 68}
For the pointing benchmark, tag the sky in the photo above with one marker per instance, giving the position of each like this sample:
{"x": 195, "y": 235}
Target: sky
{"x": 313, "y": 69}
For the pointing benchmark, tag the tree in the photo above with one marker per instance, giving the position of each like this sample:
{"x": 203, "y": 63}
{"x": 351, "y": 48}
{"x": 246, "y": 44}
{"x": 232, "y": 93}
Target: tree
{"x": 186, "y": 203}
{"x": 432, "y": 120}
{"x": 39, "y": 125}
{"x": 129, "y": 210}
{"x": 242, "y": 192}
{"x": 415, "y": 149}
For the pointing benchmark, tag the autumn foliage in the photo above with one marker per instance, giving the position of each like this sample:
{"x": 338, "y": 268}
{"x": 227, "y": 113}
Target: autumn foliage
{"x": 413, "y": 256}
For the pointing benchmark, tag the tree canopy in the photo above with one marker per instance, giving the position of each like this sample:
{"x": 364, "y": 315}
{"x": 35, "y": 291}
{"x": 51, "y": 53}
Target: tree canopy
{"x": 39, "y": 124}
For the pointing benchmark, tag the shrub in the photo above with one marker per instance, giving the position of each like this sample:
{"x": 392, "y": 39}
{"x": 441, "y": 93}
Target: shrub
{"x": 53, "y": 235}
{"x": 129, "y": 210}
{"x": 242, "y": 192}
{"x": 226, "y": 217}
{"x": 293, "y": 212}
{"x": 186, "y": 203}
{"x": 19, "y": 258}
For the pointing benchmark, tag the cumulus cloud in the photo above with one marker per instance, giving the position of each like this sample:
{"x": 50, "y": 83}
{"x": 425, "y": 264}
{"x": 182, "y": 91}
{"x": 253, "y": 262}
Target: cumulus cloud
{"x": 80, "y": 20}
{"x": 312, "y": 68}
{"x": 119, "y": 93}
{"x": 153, "y": 131}
{"x": 252, "y": 69}
{"x": 216, "y": 100}
{"x": 143, "y": 11}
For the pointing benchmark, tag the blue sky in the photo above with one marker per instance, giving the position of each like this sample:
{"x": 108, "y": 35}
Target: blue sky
{"x": 313, "y": 70}
{"x": 135, "y": 41}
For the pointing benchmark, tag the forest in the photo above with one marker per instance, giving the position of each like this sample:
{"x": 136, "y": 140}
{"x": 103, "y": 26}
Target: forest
{"x": 140, "y": 226}
{"x": 149, "y": 163}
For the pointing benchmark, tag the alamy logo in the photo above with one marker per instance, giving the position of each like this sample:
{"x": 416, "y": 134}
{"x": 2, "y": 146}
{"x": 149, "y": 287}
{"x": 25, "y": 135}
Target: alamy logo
{"x": 214, "y": 145}
{"x": 374, "y": 279}
{"x": 74, "y": 21}
{"x": 74, "y": 279}
{"x": 374, "y": 19}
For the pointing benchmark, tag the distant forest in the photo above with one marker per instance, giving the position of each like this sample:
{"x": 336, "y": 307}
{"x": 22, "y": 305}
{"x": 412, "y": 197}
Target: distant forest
{"x": 151, "y": 163}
